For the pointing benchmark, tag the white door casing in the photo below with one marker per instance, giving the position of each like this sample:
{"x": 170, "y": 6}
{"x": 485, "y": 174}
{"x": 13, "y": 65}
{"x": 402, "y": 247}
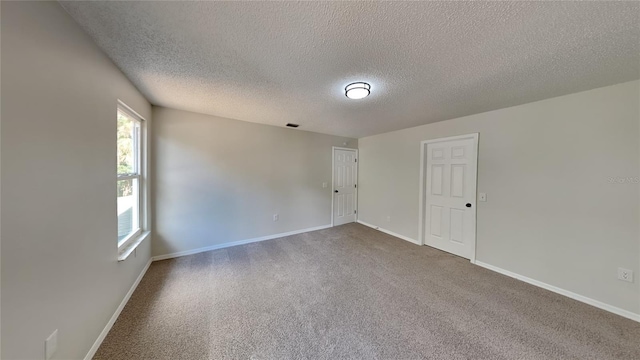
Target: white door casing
{"x": 448, "y": 194}
{"x": 345, "y": 179}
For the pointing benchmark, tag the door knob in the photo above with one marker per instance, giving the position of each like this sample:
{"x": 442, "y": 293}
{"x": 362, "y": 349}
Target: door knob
{"x": 335, "y": 191}
{"x": 468, "y": 205}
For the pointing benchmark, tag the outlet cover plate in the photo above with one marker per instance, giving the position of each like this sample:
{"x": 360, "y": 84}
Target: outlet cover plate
{"x": 625, "y": 275}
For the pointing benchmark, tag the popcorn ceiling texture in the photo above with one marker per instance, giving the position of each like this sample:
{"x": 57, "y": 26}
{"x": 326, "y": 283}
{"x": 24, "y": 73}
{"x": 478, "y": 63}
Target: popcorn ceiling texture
{"x": 279, "y": 62}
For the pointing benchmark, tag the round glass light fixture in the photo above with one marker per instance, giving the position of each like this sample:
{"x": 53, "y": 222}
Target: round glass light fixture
{"x": 357, "y": 90}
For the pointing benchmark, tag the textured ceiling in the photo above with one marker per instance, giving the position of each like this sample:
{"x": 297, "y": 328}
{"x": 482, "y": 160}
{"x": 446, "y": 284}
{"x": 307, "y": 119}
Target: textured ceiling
{"x": 279, "y": 62}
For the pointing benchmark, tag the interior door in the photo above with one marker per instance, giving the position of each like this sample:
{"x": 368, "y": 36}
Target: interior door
{"x": 345, "y": 178}
{"x": 450, "y": 216}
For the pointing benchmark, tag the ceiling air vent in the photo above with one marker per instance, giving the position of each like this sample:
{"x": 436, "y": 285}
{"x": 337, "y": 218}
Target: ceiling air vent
{"x": 292, "y": 125}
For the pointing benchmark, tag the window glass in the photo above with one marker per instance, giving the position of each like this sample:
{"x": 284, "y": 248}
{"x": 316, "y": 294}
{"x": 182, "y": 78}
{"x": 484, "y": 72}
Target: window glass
{"x": 127, "y": 129}
{"x": 129, "y": 181}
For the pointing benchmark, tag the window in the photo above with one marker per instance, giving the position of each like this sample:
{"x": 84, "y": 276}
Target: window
{"x": 130, "y": 173}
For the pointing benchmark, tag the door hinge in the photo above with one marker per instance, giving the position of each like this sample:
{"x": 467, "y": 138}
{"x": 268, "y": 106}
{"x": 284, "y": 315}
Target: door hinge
{"x": 356, "y": 160}
{"x": 356, "y": 185}
{"x": 355, "y": 211}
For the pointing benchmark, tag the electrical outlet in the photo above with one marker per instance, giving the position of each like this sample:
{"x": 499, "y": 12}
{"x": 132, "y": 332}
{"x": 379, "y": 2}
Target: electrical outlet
{"x": 51, "y": 345}
{"x": 388, "y": 218}
{"x": 625, "y": 275}
{"x": 482, "y": 196}
{"x": 276, "y": 217}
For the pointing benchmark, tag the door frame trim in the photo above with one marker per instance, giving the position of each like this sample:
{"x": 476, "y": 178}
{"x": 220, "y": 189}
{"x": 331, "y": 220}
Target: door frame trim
{"x": 333, "y": 168}
{"x": 422, "y": 200}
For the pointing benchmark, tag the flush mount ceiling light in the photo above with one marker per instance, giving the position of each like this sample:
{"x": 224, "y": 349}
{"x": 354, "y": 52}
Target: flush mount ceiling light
{"x": 357, "y": 90}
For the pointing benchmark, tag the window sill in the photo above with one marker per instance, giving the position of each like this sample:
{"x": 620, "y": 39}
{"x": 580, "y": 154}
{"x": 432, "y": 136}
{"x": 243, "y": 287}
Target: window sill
{"x": 125, "y": 251}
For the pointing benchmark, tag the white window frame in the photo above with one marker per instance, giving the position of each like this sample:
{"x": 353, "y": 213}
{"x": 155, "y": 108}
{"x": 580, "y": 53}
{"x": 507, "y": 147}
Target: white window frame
{"x": 140, "y": 151}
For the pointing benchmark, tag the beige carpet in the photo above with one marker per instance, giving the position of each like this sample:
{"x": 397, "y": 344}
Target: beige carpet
{"x": 351, "y": 292}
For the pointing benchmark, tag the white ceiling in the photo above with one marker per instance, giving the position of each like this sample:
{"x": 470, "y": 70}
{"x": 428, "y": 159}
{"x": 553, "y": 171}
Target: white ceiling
{"x": 279, "y": 62}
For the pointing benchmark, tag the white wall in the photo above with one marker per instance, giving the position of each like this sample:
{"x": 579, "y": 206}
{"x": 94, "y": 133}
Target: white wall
{"x": 220, "y": 180}
{"x": 59, "y": 250}
{"x": 552, "y": 214}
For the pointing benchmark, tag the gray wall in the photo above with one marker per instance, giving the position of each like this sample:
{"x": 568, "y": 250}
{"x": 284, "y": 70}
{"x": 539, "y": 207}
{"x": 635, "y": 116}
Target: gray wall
{"x": 220, "y": 180}
{"x": 58, "y": 145}
{"x": 552, "y": 214}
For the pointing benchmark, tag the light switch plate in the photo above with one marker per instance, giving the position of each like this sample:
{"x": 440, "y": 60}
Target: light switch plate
{"x": 482, "y": 196}
{"x": 324, "y": 184}
{"x": 51, "y": 345}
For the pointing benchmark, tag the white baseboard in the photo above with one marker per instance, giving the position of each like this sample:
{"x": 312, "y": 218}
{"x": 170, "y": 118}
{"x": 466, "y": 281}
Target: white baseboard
{"x": 584, "y": 299}
{"x": 581, "y": 298}
{"x": 390, "y": 232}
{"x": 113, "y": 319}
{"x": 235, "y": 243}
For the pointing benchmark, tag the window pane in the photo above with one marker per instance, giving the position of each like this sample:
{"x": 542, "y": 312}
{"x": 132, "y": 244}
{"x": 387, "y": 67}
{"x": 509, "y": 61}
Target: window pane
{"x": 128, "y": 130}
{"x": 128, "y": 208}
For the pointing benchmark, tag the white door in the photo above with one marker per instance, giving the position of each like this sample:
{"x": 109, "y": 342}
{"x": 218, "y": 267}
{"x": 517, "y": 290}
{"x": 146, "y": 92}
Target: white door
{"x": 450, "y": 216}
{"x": 345, "y": 179}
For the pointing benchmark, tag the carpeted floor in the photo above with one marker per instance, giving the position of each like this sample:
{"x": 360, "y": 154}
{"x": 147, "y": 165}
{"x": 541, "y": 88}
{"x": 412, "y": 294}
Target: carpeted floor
{"x": 351, "y": 292}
